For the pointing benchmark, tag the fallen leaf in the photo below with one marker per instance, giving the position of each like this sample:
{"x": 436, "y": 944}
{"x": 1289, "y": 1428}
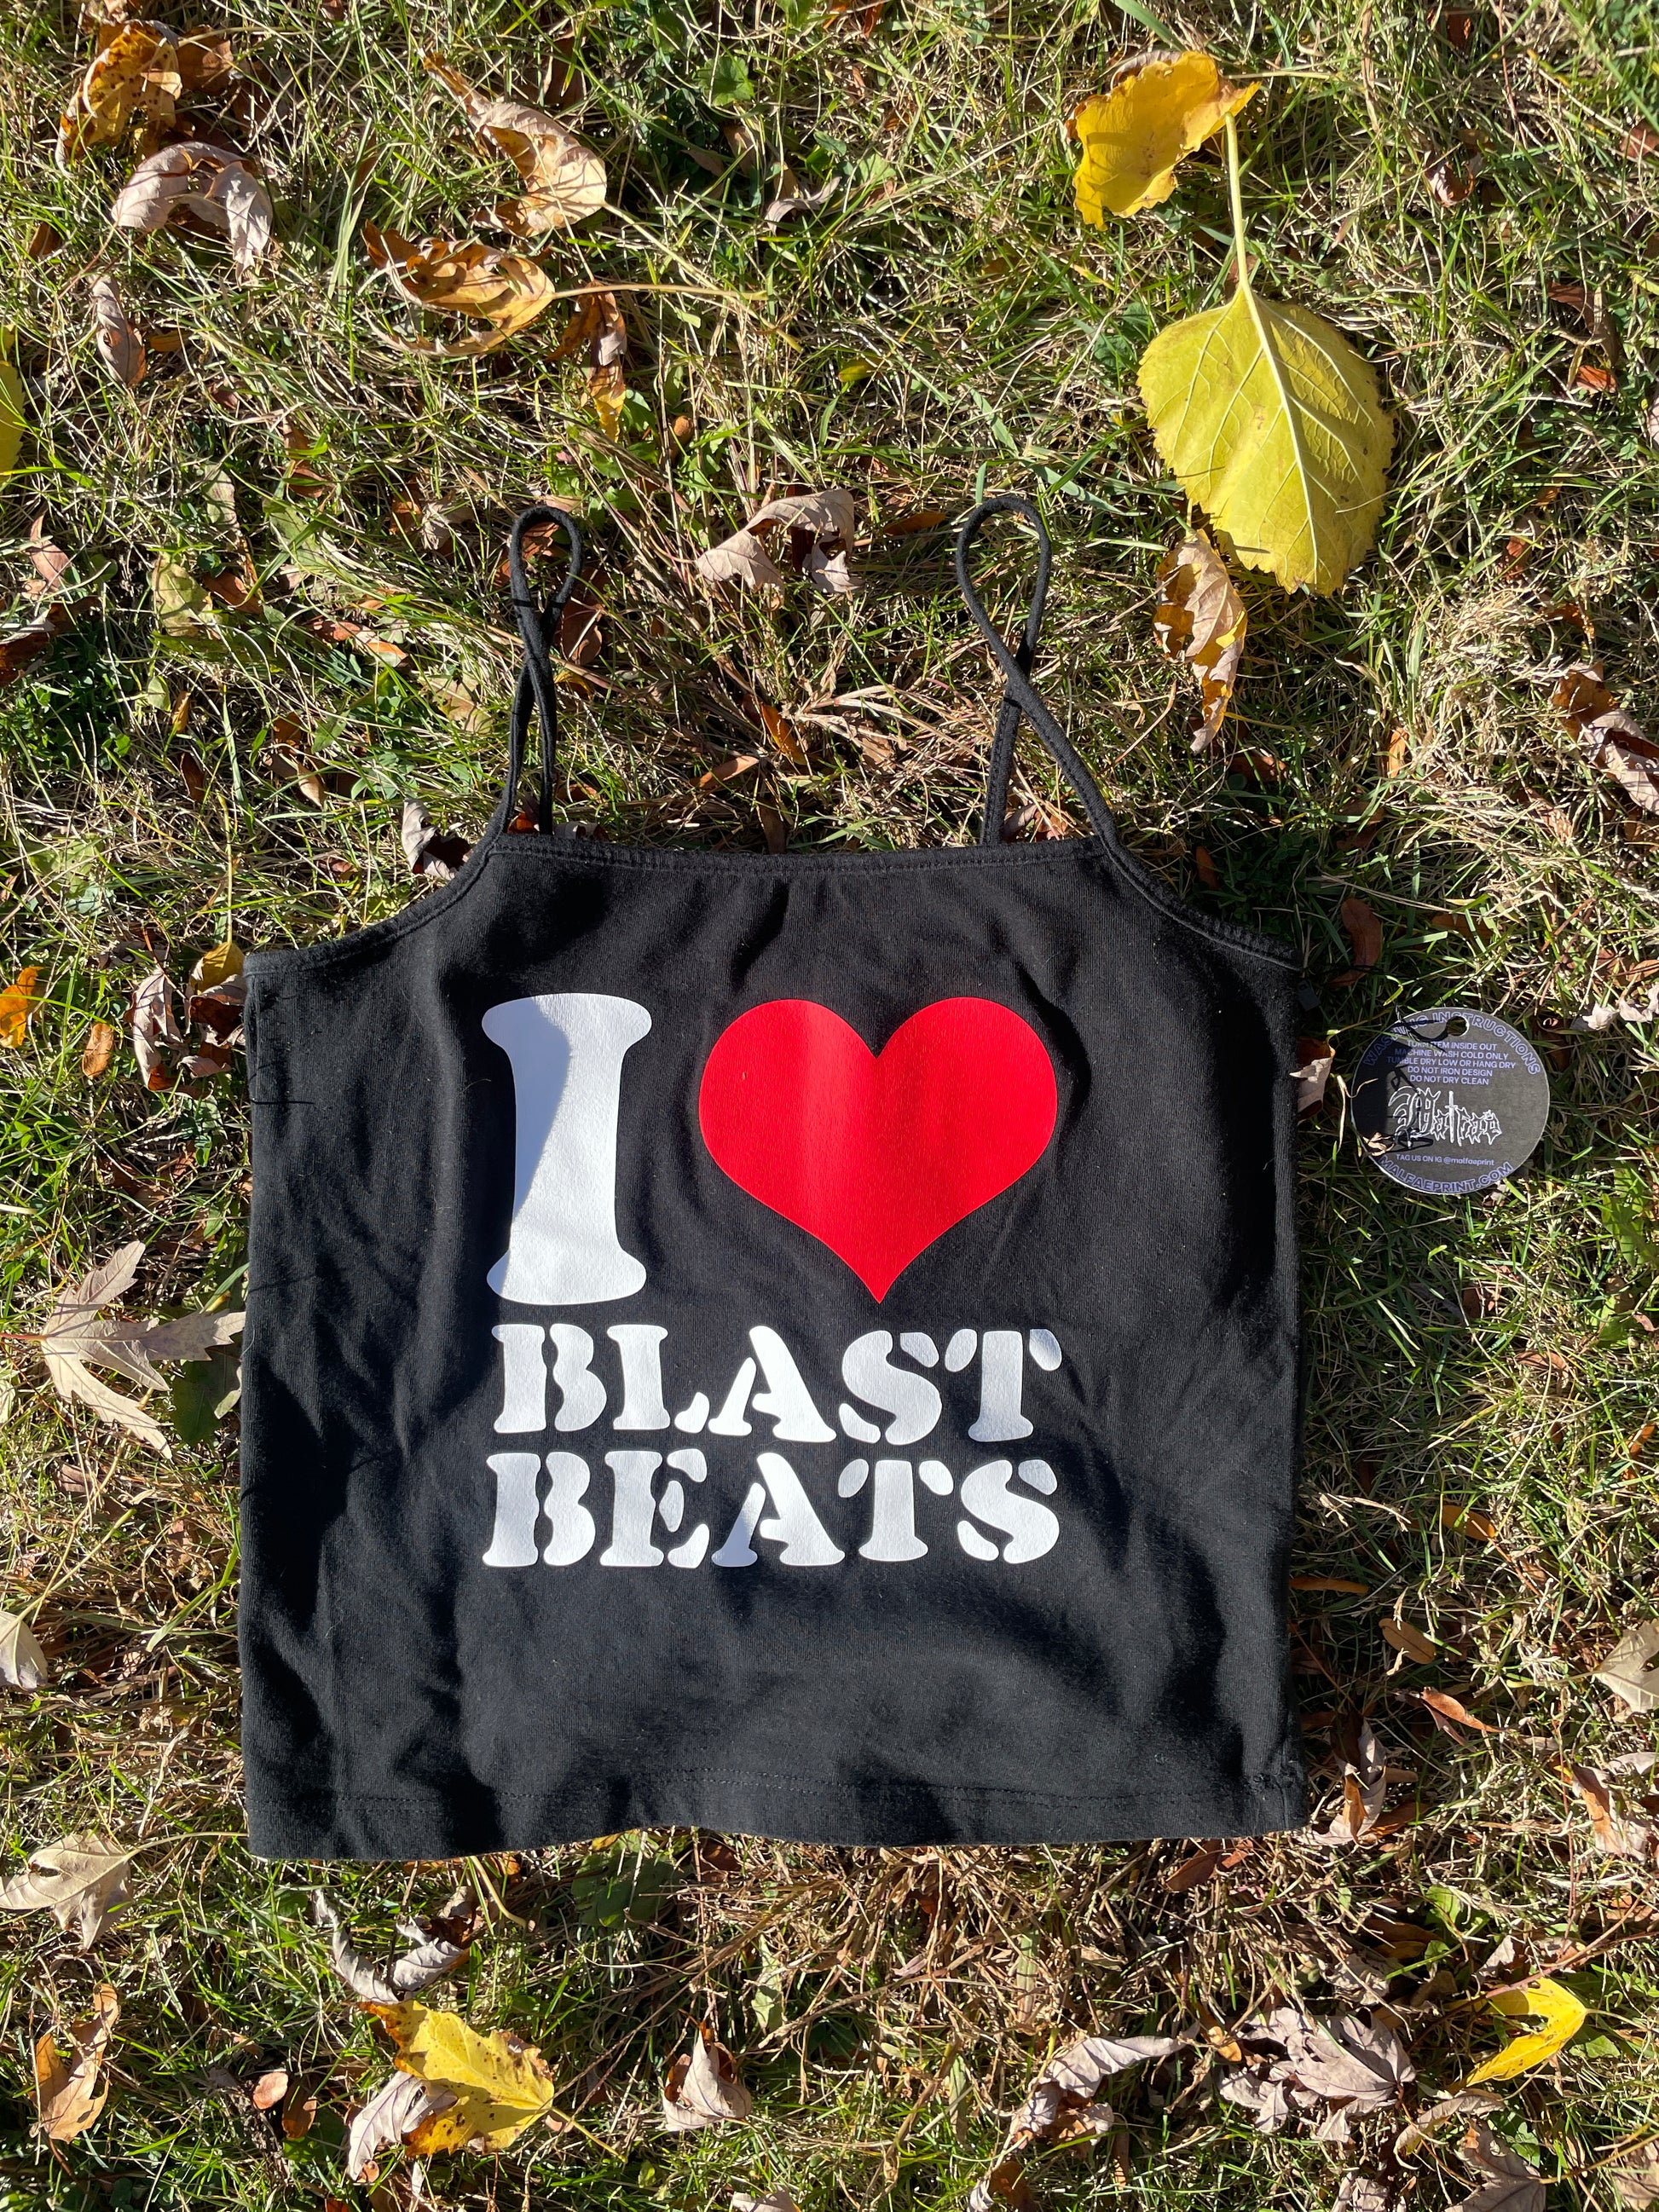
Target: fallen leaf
{"x": 20, "y": 647}
{"x": 1630, "y": 1669}
{"x": 1641, "y": 138}
{"x": 1639, "y": 2186}
{"x": 299, "y": 2114}
{"x": 22, "y": 1662}
{"x": 1363, "y": 929}
{"x": 1200, "y": 619}
{"x": 793, "y": 198}
{"x": 428, "y": 1958}
{"x": 1617, "y": 1834}
{"x": 1359, "y": 2192}
{"x": 566, "y": 178}
{"x": 1446, "y": 1708}
{"x": 1397, "y": 752}
{"x": 1410, "y": 1642}
{"x": 1350, "y": 2062}
{"x": 119, "y": 346}
{"x": 819, "y": 528}
{"x": 1448, "y": 182}
{"x": 1591, "y": 376}
{"x": 44, "y": 241}
{"x": 493, "y": 2086}
{"x": 134, "y": 73}
{"x": 1612, "y": 739}
{"x": 448, "y": 276}
{"x": 1551, "y": 2002}
{"x": 775, "y": 2200}
{"x": 1315, "y": 1059}
{"x": 1340, "y": 1582}
{"x": 196, "y": 183}
{"x": 13, "y": 422}
{"x": 598, "y": 329}
{"x": 1133, "y": 136}
{"x": 1364, "y": 1791}
{"x": 702, "y": 2088}
{"x": 398, "y": 2107}
{"x": 270, "y": 2089}
{"x": 430, "y": 852}
{"x": 1060, "y": 2106}
{"x": 1510, "y": 2185}
{"x": 17, "y": 1003}
{"x": 1271, "y": 421}
{"x": 1412, "y": 2137}
{"x": 1202, "y": 1865}
{"x": 80, "y": 1880}
{"x": 76, "y": 1334}
{"x": 69, "y": 2097}
{"x": 156, "y": 1036}
{"x": 50, "y": 563}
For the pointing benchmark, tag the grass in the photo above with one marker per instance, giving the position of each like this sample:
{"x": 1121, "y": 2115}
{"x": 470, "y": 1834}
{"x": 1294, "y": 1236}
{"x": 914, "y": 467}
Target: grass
{"x": 942, "y": 324}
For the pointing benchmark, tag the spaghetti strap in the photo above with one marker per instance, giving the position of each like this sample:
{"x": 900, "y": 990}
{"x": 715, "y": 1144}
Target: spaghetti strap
{"x": 1020, "y": 698}
{"x": 538, "y": 627}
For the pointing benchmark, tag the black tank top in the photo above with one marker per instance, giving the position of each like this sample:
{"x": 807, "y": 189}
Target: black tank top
{"x": 802, "y": 1344}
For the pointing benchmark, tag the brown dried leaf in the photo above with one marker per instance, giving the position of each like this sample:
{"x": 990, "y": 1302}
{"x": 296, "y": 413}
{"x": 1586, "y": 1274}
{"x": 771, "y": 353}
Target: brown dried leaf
{"x": 430, "y": 852}
{"x": 22, "y": 1661}
{"x": 119, "y": 346}
{"x": 17, "y": 1003}
{"x": 1061, "y": 2105}
{"x": 448, "y": 276}
{"x": 270, "y": 2089}
{"x": 1365, "y": 1788}
{"x": 793, "y": 198}
{"x": 1510, "y": 2185}
{"x": 99, "y": 1050}
{"x": 820, "y": 526}
{"x": 1315, "y": 1059}
{"x": 1410, "y": 1642}
{"x": 1200, "y": 1866}
{"x": 20, "y": 647}
{"x": 1450, "y": 182}
{"x": 1351, "y": 2063}
{"x": 702, "y": 2089}
{"x": 1612, "y": 739}
{"x": 75, "y": 1334}
{"x": 1364, "y": 933}
{"x": 1447, "y": 1709}
{"x": 196, "y": 183}
{"x": 1630, "y": 1669}
{"x": 156, "y": 1036}
{"x": 427, "y": 1959}
{"x": 1617, "y": 1835}
{"x": 1201, "y": 620}
{"x": 80, "y": 1880}
{"x": 70, "y": 2097}
{"x": 396, "y": 2108}
{"x": 597, "y": 328}
{"x": 566, "y": 178}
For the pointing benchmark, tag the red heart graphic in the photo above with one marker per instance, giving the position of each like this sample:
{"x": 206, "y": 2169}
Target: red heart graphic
{"x": 877, "y": 1155}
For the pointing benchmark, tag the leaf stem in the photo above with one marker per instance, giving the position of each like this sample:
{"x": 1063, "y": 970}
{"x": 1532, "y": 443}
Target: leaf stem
{"x": 1234, "y": 194}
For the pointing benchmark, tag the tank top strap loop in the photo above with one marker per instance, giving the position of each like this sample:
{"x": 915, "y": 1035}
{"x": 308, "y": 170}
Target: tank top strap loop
{"x": 539, "y": 629}
{"x": 1020, "y": 698}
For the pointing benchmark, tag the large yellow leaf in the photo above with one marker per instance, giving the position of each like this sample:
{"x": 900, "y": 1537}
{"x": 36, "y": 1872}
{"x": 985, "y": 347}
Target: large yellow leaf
{"x": 1563, "y": 2016}
{"x": 1133, "y": 136}
{"x": 1271, "y": 422}
{"x": 11, "y": 417}
{"x": 462, "y": 278}
{"x": 499, "y": 2084}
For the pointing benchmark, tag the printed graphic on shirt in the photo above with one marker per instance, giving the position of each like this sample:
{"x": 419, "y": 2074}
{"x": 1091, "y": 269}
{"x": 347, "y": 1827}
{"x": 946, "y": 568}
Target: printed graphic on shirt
{"x": 873, "y": 1155}
{"x": 878, "y": 1154}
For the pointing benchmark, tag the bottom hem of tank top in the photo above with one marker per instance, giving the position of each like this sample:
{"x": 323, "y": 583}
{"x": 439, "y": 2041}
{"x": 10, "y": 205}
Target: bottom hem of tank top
{"x": 847, "y": 1814}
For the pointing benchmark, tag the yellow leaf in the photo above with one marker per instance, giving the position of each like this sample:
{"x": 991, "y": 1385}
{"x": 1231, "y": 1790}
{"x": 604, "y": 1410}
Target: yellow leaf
{"x": 566, "y": 178}
{"x": 1270, "y": 421}
{"x": 1133, "y": 136}
{"x": 1201, "y": 620}
{"x": 11, "y": 417}
{"x": 500, "y": 288}
{"x": 499, "y": 2084}
{"x": 218, "y": 966}
{"x": 16, "y": 1003}
{"x": 135, "y": 70}
{"x": 1559, "y": 2010}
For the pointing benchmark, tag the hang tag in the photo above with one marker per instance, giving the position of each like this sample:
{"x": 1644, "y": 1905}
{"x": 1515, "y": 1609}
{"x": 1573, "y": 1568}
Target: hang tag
{"x": 1450, "y": 1101}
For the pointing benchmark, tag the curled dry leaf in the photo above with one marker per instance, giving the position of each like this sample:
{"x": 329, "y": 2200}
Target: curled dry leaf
{"x": 492, "y": 2086}
{"x": 1562, "y": 2013}
{"x": 1272, "y": 423}
{"x": 819, "y": 527}
{"x": 17, "y": 1003}
{"x": 1361, "y": 2192}
{"x": 1060, "y": 2106}
{"x": 1630, "y": 1669}
{"x": 1416, "y": 2132}
{"x": 80, "y": 1880}
{"x": 1365, "y": 1788}
{"x": 1364, "y": 930}
{"x": 1315, "y": 1059}
{"x": 1510, "y": 2185}
{"x": 566, "y": 178}
{"x": 1617, "y": 1833}
{"x": 1133, "y": 136}
{"x": 1612, "y": 739}
{"x": 1409, "y": 1641}
{"x": 202, "y": 185}
{"x": 75, "y": 1332}
{"x": 598, "y": 329}
{"x": 431, "y": 852}
{"x": 793, "y": 198}
{"x": 1352, "y": 2063}
{"x": 69, "y": 2089}
{"x": 20, "y": 647}
{"x": 1449, "y": 1714}
{"x": 119, "y": 346}
{"x": 1637, "y": 2184}
{"x": 450, "y": 277}
{"x": 22, "y": 1662}
{"x": 135, "y": 72}
{"x": 427, "y": 1959}
{"x": 398, "y": 2107}
{"x": 702, "y": 2088}
{"x": 1201, "y": 620}
{"x": 156, "y": 1036}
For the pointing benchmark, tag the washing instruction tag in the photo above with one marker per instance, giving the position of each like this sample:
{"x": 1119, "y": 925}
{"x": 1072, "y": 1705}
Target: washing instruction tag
{"x": 1450, "y": 1101}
